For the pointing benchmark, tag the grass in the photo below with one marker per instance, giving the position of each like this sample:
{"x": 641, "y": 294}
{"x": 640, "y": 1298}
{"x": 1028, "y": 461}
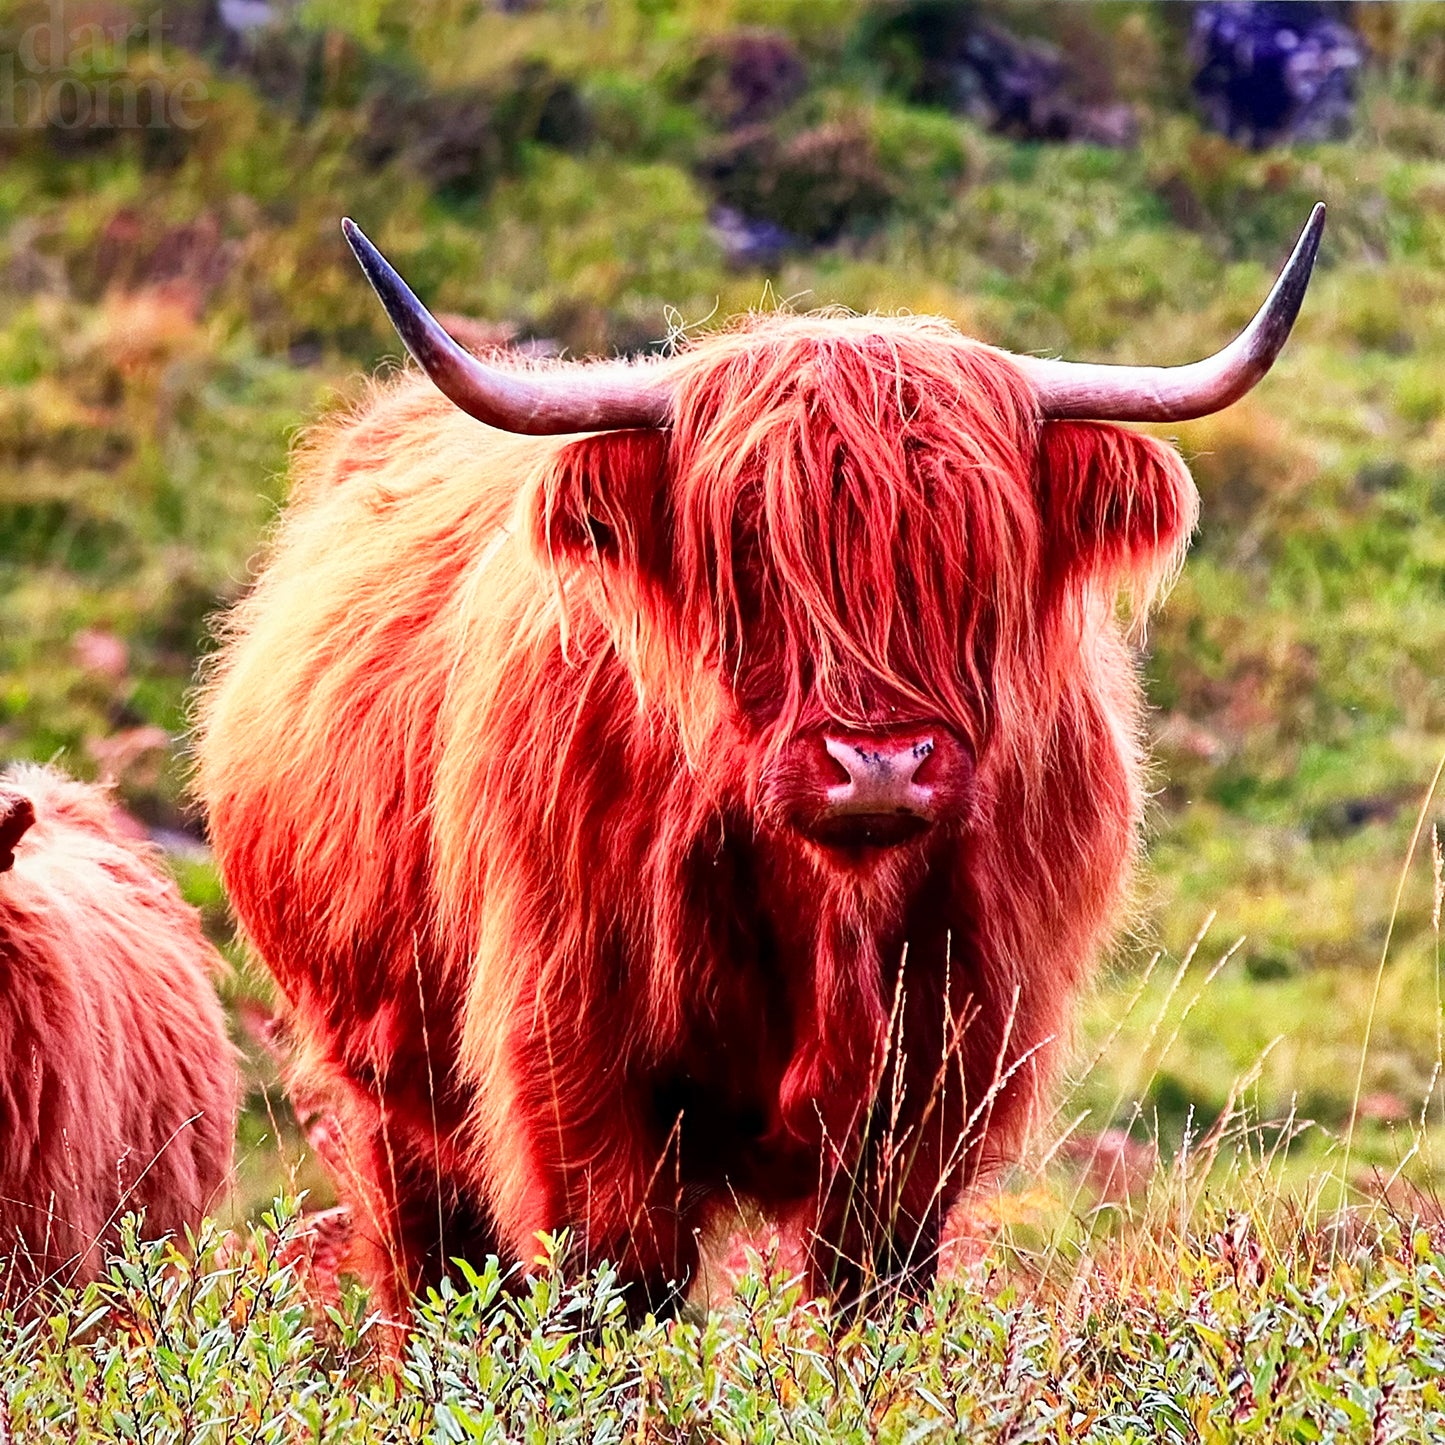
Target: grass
{"x": 1184, "y": 1320}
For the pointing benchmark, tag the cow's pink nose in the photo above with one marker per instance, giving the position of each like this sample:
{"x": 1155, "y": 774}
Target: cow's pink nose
{"x": 861, "y": 790}
{"x": 882, "y": 776}
{"x": 880, "y": 791}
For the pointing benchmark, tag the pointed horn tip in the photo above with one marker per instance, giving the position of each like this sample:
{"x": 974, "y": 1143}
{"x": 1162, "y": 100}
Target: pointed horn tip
{"x": 371, "y": 261}
{"x": 1314, "y": 228}
{"x": 356, "y": 238}
{"x": 1308, "y": 245}
{"x": 1282, "y": 307}
{"x": 394, "y": 293}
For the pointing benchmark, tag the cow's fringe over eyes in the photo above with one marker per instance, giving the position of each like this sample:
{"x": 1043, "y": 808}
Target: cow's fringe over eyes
{"x": 851, "y": 520}
{"x": 856, "y": 495}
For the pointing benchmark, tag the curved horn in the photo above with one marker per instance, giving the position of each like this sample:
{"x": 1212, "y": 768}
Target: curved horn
{"x": 591, "y": 398}
{"x": 1085, "y": 391}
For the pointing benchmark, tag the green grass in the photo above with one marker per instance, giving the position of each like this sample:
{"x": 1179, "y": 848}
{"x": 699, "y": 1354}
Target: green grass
{"x": 1235, "y": 1326}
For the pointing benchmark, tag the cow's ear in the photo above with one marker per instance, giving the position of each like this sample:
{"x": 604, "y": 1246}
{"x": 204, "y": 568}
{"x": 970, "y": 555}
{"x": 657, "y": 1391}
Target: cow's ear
{"x": 1116, "y": 503}
{"x": 597, "y": 498}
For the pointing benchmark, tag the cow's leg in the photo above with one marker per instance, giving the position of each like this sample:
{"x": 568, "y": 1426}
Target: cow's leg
{"x": 883, "y": 1204}
{"x": 626, "y": 1205}
{"x": 588, "y": 1154}
{"x": 878, "y": 1222}
{"x": 435, "y": 1222}
{"x": 409, "y": 1218}
{"x": 646, "y": 1225}
{"x": 343, "y": 1123}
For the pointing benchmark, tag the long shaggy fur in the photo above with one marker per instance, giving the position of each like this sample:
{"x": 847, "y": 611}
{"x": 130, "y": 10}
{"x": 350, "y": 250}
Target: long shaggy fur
{"x": 118, "y": 1088}
{"x": 487, "y": 756}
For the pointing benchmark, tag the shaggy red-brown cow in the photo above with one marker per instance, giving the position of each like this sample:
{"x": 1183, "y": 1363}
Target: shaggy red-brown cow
{"x": 118, "y": 1087}
{"x": 727, "y": 802}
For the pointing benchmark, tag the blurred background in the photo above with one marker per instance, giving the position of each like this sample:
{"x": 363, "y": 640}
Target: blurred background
{"x": 1111, "y": 182}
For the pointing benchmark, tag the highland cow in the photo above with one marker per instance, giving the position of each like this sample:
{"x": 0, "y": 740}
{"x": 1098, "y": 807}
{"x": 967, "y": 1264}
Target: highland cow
{"x": 728, "y": 802}
{"x": 119, "y": 1086}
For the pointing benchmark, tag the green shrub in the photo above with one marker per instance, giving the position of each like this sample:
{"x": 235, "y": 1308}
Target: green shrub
{"x": 929, "y": 156}
{"x": 1260, "y": 1324}
{"x": 592, "y": 252}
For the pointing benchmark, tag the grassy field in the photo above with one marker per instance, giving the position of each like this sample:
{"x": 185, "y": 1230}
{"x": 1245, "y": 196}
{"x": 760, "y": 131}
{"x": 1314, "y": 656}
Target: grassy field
{"x": 1236, "y": 1325}
{"x": 178, "y": 303}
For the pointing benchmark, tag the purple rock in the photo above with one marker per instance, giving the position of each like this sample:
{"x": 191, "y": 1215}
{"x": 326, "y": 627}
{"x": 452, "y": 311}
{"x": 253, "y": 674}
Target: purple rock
{"x": 749, "y": 242}
{"x": 1266, "y": 72}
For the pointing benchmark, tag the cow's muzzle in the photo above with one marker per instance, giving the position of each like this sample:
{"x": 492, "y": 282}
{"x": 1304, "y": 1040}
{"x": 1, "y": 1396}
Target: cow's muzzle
{"x": 854, "y": 790}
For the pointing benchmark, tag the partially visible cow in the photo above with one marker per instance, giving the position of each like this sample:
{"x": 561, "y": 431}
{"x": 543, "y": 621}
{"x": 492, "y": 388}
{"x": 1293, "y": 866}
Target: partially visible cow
{"x": 118, "y": 1085}
{"x": 729, "y": 802}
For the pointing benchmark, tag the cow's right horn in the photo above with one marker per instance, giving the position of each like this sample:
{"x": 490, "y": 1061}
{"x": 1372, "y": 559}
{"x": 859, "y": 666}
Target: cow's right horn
{"x": 601, "y": 397}
{"x": 1082, "y": 389}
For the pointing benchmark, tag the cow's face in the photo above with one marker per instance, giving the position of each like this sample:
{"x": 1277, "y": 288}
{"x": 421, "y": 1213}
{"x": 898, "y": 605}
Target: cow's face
{"x": 860, "y": 555}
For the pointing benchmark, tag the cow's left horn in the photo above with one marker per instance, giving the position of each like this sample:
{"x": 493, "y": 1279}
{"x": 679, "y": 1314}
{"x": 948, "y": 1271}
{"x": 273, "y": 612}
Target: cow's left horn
{"x": 1178, "y": 393}
{"x": 591, "y": 398}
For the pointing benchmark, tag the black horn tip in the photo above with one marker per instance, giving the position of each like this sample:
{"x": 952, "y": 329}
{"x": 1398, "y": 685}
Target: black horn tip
{"x": 429, "y": 345}
{"x": 1283, "y": 306}
{"x": 1308, "y": 245}
{"x": 376, "y": 266}
{"x": 355, "y": 238}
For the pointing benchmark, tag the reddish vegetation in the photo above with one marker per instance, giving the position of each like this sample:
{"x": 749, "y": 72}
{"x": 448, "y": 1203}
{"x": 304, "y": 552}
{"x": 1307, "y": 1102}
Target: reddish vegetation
{"x": 118, "y": 1089}
{"x": 523, "y": 761}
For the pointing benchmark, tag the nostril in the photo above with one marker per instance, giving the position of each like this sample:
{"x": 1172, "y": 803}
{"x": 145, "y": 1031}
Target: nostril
{"x": 832, "y": 770}
{"x": 926, "y": 761}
